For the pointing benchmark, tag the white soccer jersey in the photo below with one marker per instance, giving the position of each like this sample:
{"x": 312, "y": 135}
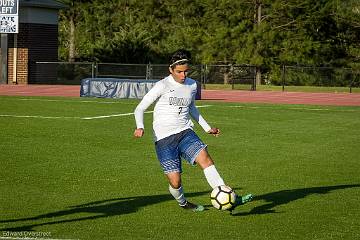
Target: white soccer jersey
{"x": 175, "y": 103}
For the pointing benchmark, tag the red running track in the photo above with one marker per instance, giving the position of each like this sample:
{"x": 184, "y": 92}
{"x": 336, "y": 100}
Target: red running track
{"x": 335, "y": 99}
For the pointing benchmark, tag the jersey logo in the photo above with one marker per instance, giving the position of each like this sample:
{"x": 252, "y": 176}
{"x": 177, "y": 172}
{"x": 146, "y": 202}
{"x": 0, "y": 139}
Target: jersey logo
{"x": 179, "y": 101}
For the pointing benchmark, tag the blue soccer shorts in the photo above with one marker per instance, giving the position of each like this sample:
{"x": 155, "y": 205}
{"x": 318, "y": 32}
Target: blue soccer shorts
{"x": 184, "y": 145}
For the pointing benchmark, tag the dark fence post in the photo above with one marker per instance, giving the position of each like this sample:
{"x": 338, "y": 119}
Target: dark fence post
{"x": 204, "y": 75}
{"x": 93, "y": 67}
{"x": 149, "y": 74}
{"x": 283, "y": 77}
{"x": 351, "y": 82}
{"x": 253, "y": 87}
{"x": 354, "y": 79}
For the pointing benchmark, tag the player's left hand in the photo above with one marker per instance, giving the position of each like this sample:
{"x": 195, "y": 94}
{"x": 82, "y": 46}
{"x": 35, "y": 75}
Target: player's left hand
{"x": 139, "y": 132}
{"x": 214, "y": 131}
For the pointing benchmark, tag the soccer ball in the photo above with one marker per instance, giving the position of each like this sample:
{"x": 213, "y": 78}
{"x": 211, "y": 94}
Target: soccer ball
{"x": 223, "y": 197}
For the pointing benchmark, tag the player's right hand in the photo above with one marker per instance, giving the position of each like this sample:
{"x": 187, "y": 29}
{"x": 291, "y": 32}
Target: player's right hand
{"x": 214, "y": 131}
{"x": 139, "y": 132}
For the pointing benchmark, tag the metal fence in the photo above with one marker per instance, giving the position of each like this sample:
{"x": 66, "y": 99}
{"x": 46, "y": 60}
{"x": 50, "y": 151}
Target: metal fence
{"x": 320, "y": 77}
{"x": 61, "y": 72}
{"x": 236, "y": 76}
{"x": 228, "y": 76}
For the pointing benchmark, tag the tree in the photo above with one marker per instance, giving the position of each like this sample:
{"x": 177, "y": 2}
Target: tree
{"x": 69, "y": 18}
{"x": 347, "y": 16}
{"x": 264, "y": 33}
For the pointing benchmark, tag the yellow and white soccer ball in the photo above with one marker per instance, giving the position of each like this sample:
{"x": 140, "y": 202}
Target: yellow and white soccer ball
{"x": 223, "y": 197}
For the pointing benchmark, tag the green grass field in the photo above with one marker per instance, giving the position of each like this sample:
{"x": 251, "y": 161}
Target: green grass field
{"x": 279, "y": 88}
{"x": 66, "y": 177}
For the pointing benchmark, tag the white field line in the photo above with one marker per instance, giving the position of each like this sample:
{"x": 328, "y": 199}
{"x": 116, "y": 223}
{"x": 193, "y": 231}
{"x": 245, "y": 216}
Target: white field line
{"x": 241, "y": 106}
{"x": 113, "y": 115}
{"x": 127, "y": 114}
{"x": 35, "y": 116}
{"x": 82, "y": 118}
{"x": 311, "y": 109}
{"x": 62, "y": 117}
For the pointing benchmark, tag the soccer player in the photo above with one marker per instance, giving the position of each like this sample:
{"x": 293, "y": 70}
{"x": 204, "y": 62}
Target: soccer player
{"x": 173, "y": 129}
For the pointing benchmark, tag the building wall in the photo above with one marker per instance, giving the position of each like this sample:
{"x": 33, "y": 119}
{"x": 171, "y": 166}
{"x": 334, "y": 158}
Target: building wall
{"x": 36, "y": 43}
{"x": 38, "y": 15}
{"x": 22, "y": 66}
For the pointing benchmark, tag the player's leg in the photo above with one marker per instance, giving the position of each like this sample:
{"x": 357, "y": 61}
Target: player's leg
{"x": 214, "y": 179}
{"x": 175, "y": 187}
{"x": 169, "y": 157}
{"x": 212, "y": 176}
{"x": 194, "y": 151}
{"x": 176, "y": 190}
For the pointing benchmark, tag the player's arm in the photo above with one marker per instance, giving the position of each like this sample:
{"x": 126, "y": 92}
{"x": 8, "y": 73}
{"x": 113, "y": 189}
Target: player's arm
{"x": 194, "y": 112}
{"x": 139, "y": 117}
{"x": 148, "y": 99}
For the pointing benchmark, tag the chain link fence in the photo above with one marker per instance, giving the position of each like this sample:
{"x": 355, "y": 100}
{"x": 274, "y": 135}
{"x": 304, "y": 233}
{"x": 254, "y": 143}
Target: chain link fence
{"x": 61, "y": 73}
{"x": 235, "y": 76}
{"x": 327, "y": 77}
{"x": 222, "y": 76}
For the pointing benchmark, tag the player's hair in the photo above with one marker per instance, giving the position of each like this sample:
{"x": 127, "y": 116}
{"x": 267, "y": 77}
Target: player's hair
{"x": 180, "y": 57}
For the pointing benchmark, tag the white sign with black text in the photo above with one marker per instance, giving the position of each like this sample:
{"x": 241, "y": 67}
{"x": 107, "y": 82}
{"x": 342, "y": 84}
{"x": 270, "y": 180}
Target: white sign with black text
{"x": 9, "y": 16}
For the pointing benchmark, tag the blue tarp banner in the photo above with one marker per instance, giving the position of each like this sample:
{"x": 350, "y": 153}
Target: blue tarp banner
{"x": 119, "y": 88}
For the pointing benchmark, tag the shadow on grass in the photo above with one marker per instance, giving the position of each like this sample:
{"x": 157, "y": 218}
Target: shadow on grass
{"x": 283, "y": 197}
{"x": 121, "y": 206}
{"x": 98, "y": 209}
